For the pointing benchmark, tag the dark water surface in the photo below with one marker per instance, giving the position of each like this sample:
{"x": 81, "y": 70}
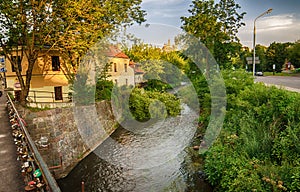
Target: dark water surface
{"x": 153, "y": 158}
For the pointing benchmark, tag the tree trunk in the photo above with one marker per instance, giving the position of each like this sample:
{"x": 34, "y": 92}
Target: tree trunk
{"x": 26, "y": 86}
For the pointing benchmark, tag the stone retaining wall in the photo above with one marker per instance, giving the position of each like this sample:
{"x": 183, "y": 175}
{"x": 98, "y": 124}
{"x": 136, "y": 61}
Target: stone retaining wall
{"x": 72, "y": 133}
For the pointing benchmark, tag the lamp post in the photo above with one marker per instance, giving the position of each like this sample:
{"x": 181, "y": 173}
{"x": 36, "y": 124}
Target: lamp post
{"x": 254, "y": 33}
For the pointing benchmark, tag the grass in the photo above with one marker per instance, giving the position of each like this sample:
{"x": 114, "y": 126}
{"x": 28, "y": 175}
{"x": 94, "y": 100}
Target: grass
{"x": 37, "y": 109}
{"x": 282, "y": 74}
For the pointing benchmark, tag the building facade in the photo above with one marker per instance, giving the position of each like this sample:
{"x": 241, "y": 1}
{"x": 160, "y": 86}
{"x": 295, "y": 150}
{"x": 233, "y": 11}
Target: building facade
{"x": 49, "y": 83}
{"x": 121, "y": 69}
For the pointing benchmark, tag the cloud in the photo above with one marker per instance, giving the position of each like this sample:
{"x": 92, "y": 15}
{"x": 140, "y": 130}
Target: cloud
{"x": 278, "y": 21}
{"x": 167, "y": 12}
{"x": 278, "y": 28}
{"x": 160, "y": 2}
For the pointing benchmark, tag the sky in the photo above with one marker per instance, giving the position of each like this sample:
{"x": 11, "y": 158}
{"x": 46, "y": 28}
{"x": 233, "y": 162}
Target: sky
{"x": 281, "y": 25}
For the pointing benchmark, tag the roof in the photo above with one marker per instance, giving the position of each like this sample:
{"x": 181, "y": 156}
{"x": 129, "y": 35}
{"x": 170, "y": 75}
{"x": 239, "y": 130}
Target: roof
{"x": 139, "y": 71}
{"x": 122, "y": 55}
{"x": 114, "y": 51}
{"x": 131, "y": 62}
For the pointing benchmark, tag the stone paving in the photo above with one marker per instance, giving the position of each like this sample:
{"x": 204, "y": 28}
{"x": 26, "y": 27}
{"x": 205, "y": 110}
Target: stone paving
{"x": 10, "y": 175}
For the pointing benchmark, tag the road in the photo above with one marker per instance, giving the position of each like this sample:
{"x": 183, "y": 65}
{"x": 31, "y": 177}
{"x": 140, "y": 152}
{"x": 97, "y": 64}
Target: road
{"x": 290, "y": 83}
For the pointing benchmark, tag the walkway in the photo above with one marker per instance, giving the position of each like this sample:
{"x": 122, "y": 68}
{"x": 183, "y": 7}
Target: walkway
{"x": 10, "y": 175}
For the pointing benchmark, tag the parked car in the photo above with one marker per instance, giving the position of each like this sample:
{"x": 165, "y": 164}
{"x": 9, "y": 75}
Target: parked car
{"x": 259, "y": 73}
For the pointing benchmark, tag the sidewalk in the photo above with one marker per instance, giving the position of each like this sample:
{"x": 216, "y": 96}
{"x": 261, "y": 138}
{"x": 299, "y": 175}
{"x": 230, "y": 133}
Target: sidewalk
{"x": 10, "y": 175}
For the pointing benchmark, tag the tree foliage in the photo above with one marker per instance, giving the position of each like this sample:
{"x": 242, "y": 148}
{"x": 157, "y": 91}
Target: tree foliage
{"x": 261, "y": 54}
{"x": 216, "y": 25}
{"x": 294, "y": 54}
{"x": 276, "y": 54}
{"x": 157, "y": 64}
{"x": 70, "y": 26}
{"x": 258, "y": 147}
{"x": 148, "y": 104}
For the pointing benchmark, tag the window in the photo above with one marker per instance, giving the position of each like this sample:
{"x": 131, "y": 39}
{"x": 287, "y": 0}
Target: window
{"x": 126, "y": 82}
{"x": 109, "y": 67}
{"x": 115, "y": 67}
{"x": 116, "y": 81}
{"x": 55, "y": 63}
{"x": 18, "y": 60}
{"x": 125, "y": 66}
{"x": 58, "y": 93}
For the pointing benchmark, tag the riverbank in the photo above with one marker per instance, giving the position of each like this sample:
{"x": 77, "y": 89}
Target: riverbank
{"x": 70, "y": 133}
{"x": 258, "y": 148}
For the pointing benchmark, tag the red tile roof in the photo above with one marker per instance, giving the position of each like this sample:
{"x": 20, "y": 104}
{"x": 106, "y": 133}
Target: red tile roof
{"x": 122, "y": 55}
{"x": 140, "y": 71}
{"x": 113, "y": 51}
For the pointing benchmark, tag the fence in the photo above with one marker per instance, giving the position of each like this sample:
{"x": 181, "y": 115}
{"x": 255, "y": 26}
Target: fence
{"x": 47, "y": 97}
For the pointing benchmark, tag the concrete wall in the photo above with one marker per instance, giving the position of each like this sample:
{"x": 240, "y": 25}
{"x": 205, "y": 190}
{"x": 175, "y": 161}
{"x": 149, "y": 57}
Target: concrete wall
{"x": 72, "y": 133}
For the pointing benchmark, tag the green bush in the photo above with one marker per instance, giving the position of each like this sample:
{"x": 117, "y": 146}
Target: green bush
{"x": 258, "y": 148}
{"x": 103, "y": 90}
{"x": 142, "y": 102}
{"x": 157, "y": 85}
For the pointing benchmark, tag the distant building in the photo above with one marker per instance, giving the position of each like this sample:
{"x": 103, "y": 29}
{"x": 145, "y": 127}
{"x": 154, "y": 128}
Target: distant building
{"x": 138, "y": 73}
{"x": 168, "y": 47}
{"x": 287, "y": 66}
{"x": 121, "y": 73}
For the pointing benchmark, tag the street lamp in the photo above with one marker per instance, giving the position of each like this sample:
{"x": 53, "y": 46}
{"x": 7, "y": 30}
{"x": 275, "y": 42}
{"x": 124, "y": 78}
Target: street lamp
{"x": 254, "y": 33}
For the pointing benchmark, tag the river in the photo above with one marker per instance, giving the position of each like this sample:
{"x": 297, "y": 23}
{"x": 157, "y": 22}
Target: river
{"x": 156, "y": 157}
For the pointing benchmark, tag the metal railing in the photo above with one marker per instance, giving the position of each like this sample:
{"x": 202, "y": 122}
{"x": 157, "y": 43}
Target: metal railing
{"x": 50, "y": 182}
{"x": 38, "y": 96}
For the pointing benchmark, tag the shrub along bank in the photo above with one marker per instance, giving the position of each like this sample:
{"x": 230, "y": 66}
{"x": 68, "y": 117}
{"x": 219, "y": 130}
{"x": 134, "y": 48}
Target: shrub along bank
{"x": 258, "y": 148}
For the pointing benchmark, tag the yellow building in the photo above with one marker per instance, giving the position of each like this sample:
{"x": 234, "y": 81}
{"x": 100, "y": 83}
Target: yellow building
{"x": 49, "y": 84}
{"x": 121, "y": 69}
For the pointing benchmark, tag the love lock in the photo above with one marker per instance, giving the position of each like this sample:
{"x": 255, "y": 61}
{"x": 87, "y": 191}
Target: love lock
{"x": 15, "y": 126}
{"x": 24, "y": 158}
{"x": 15, "y": 133}
{"x": 18, "y": 143}
{"x": 30, "y": 159}
{"x": 11, "y": 112}
{"x": 23, "y": 172}
{"x": 26, "y": 164}
{"x": 29, "y": 169}
{"x": 20, "y": 136}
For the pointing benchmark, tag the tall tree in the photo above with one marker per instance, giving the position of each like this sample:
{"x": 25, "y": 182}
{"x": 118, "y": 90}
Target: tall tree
{"x": 150, "y": 59}
{"x": 157, "y": 64}
{"x": 294, "y": 54}
{"x": 276, "y": 54}
{"x": 70, "y": 26}
{"x": 215, "y": 24}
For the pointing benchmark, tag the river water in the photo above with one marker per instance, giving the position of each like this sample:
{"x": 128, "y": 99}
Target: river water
{"x": 155, "y": 157}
